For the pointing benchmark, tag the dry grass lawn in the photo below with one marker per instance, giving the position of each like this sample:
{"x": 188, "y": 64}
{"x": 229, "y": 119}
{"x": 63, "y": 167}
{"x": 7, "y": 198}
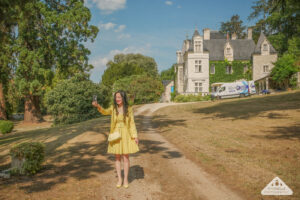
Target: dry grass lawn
{"x": 245, "y": 142}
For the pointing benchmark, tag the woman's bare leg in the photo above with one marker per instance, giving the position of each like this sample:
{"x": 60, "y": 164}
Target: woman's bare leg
{"x": 126, "y": 167}
{"x": 118, "y": 168}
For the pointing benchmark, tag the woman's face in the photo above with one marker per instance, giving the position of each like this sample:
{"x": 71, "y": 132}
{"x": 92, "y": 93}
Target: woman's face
{"x": 119, "y": 99}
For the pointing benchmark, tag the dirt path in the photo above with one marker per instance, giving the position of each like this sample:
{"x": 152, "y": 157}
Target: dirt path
{"x": 161, "y": 171}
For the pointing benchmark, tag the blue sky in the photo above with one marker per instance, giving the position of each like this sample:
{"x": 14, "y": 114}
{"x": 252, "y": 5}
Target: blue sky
{"x": 154, "y": 28}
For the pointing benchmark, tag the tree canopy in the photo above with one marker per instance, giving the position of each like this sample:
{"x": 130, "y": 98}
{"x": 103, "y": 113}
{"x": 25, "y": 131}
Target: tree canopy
{"x": 124, "y": 65}
{"x": 47, "y": 41}
{"x": 235, "y": 25}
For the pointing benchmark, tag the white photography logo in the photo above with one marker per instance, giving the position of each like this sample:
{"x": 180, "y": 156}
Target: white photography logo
{"x": 276, "y": 187}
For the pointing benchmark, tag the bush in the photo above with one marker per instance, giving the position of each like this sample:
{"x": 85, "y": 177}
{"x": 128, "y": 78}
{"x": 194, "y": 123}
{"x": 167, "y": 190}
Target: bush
{"x": 140, "y": 88}
{"x": 71, "y": 100}
{"x": 191, "y": 97}
{"x": 33, "y": 154}
{"x": 6, "y": 126}
{"x": 173, "y": 95}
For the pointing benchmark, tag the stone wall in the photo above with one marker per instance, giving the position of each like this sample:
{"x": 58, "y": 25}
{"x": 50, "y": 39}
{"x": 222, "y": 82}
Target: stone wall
{"x": 258, "y": 65}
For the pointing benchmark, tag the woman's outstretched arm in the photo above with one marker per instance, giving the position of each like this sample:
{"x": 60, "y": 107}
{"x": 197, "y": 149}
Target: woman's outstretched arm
{"x": 102, "y": 110}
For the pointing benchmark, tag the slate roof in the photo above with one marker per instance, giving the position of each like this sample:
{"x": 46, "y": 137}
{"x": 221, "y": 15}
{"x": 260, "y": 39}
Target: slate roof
{"x": 260, "y": 41}
{"x": 196, "y": 33}
{"x": 242, "y": 48}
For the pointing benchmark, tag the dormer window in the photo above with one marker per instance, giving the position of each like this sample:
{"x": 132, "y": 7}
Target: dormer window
{"x": 228, "y": 50}
{"x": 197, "y": 46}
{"x": 265, "y": 47}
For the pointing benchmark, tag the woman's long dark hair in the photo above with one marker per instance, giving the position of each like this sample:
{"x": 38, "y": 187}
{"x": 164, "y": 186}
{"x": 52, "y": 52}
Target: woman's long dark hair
{"x": 125, "y": 103}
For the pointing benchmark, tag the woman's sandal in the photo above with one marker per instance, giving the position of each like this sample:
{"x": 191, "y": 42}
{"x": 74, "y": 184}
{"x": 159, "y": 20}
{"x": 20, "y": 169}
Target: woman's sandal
{"x": 118, "y": 186}
{"x": 126, "y": 186}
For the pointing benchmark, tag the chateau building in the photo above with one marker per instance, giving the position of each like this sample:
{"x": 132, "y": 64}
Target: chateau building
{"x": 201, "y": 58}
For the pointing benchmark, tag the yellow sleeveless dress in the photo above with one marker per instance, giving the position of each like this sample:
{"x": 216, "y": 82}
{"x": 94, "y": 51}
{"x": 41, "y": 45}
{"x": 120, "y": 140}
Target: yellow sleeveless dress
{"x": 125, "y": 145}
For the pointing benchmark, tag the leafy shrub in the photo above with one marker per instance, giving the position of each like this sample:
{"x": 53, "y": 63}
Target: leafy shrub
{"x": 6, "y": 126}
{"x": 140, "y": 88}
{"x": 173, "y": 95}
{"x": 191, "y": 97}
{"x": 71, "y": 100}
{"x": 32, "y": 152}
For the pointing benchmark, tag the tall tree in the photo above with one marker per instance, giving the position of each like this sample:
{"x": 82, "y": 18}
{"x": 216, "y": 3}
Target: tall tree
{"x": 235, "y": 25}
{"x": 128, "y": 64}
{"x": 168, "y": 74}
{"x": 147, "y": 63}
{"x": 49, "y": 41}
{"x": 8, "y": 20}
{"x": 279, "y": 19}
{"x": 260, "y": 11}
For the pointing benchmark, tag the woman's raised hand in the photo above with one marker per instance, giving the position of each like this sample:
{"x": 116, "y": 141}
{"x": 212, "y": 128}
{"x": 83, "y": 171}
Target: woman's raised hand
{"x": 95, "y": 104}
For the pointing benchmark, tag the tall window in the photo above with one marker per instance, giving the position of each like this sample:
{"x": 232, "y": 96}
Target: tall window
{"x": 212, "y": 69}
{"x": 198, "y": 86}
{"x": 198, "y": 66}
{"x": 197, "y": 46}
{"x": 228, "y": 70}
{"x": 245, "y": 69}
{"x": 266, "y": 68}
{"x": 227, "y": 50}
{"x": 265, "y": 47}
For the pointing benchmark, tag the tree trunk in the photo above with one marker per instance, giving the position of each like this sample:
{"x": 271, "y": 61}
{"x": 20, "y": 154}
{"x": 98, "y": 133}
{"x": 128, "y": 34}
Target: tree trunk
{"x": 32, "y": 109}
{"x": 2, "y": 104}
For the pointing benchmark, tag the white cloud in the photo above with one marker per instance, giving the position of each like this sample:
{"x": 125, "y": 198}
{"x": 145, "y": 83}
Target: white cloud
{"x": 100, "y": 61}
{"x": 107, "y": 6}
{"x": 124, "y": 36}
{"x": 107, "y": 26}
{"x": 120, "y": 28}
{"x": 169, "y": 3}
{"x": 178, "y": 6}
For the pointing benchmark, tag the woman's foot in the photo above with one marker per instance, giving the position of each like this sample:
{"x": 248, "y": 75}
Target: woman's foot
{"x": 125, "y": 184}
{"x": 119, "y": 183}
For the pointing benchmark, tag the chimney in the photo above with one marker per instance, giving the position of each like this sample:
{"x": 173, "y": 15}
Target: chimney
{"x": 249, "y": 33}
{"x": 206, "y": 34}
{"x": 233, "y": 36}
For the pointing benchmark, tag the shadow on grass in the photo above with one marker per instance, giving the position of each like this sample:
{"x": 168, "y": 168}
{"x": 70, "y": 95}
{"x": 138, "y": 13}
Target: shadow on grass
{"x": 283, "y": 132}
{"x": 251, "y": 107}
{"x": 79, "y": 159}
{"x": 161, "y": 121}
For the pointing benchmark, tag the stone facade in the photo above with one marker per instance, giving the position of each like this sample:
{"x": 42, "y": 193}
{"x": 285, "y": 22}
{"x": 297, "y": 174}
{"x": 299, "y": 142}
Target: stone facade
{"x": 262, "y": 65}
{"x": 263, "y": 58}
{"x": 196, "y": 53}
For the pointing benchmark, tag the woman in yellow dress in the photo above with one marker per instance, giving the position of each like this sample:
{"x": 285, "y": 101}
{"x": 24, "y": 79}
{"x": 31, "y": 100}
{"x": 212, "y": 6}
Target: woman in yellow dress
{"x": 123, "y": 120}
